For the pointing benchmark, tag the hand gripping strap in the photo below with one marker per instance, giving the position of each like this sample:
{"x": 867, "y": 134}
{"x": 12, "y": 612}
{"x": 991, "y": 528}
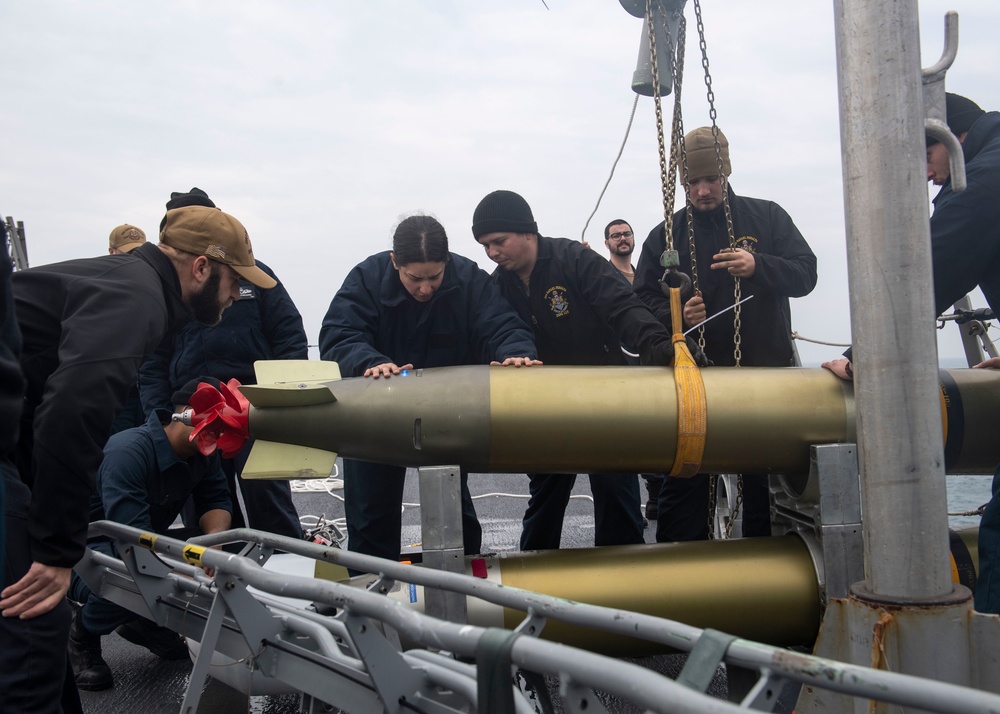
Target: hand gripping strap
{"x": 692, "y": 412}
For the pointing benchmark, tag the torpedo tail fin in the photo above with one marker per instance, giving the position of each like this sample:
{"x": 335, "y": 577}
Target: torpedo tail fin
{"x": 273, "y": 460}
{"x": 291, "y": 383}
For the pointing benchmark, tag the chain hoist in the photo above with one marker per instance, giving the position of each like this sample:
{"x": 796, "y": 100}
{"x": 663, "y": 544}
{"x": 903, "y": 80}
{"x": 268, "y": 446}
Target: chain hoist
{"x": 737, "y": 289}
{"x": 669, "y": 259}
{"x": 713, "y": 115}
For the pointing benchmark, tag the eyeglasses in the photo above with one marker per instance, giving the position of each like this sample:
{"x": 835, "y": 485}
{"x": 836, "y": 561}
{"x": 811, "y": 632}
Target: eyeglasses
{"x": 620, "y": 236}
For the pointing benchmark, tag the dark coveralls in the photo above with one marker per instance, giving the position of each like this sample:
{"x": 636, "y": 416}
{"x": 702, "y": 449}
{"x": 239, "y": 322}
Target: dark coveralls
{"x": 965, "y": 248}
{"x": 373, "y": 320}
{"x": 263, "y": 324}
{"x": 582, "y": 313}
{"x": 11, "y": 383}
{"x": 143, "y": 483}
{"x": 86, "y": 326}
{"x": 785, "y": 267}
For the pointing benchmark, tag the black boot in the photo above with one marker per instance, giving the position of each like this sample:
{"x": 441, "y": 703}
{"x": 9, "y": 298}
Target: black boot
{"x": 653, "y": 484}
{"x": 90, "y": 671}
{"x": 160, "y": 641}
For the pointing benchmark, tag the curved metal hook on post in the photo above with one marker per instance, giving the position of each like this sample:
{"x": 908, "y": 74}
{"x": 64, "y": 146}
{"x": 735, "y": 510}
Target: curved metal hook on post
{"x": 956, "y": 159}
{"x": 936, "y": 72}
{"x": 935, "y": 105}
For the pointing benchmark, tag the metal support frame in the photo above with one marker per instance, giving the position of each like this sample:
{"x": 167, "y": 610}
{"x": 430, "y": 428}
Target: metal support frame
{"x": 825, "y": 509}
{"x": 347, "y": 661}
{"x": 975, "y": 336}
{"x": 14, "y": 235}
{"x": 441, "y": 535}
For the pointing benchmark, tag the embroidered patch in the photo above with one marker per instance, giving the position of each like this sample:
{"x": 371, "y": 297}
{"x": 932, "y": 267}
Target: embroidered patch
{"x": 747, "y": 243}
{"x": 556, "y": 297}
{"x": 247, "y": 293}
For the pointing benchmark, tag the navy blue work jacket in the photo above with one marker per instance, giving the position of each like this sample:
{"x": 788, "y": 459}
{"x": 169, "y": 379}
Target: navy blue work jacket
{"x": 373, "y": 320}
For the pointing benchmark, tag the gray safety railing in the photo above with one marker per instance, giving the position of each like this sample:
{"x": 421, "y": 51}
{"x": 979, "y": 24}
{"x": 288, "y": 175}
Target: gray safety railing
{"x": 353, "y": 658}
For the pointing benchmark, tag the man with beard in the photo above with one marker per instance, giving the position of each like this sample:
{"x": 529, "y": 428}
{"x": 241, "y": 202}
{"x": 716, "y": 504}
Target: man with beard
{"x": 261, "y": 325}
{"x": 772, "y": 262}
{"x": 86, "y": 325}
{"x": 620, "y": 242}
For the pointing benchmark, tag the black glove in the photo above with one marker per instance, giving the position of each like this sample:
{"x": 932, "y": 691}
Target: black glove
{"x": 697, "y": 353}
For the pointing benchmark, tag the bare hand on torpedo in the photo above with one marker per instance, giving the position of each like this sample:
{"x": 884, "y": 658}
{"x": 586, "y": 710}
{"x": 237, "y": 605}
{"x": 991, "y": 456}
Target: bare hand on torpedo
{"x": 385, "y": 370}
{"x": 517, "y": 362}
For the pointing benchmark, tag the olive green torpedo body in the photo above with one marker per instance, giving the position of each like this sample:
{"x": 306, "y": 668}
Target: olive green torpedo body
{"x": 555, "y": 419}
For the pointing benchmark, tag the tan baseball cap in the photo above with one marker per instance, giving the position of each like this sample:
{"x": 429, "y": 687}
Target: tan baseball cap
{"x": 210, "y": 232}
{"x": 126, "y": 238}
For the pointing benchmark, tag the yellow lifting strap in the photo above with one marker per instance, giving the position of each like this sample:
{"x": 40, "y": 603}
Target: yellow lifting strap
{"x": 692, "y": 413}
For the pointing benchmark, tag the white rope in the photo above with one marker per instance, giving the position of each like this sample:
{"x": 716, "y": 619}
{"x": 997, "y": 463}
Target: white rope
{"x": 628, "y": 129}
{"x": 797, "y": 336}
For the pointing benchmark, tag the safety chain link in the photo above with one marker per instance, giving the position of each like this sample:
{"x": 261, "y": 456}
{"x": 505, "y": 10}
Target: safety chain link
{"x": 734, "y": 513}
{"x": 711, "y": 506}
{"x": 737, "y": 291}
{"x": 664, "y": 176}
{"x": 682, "y": 148}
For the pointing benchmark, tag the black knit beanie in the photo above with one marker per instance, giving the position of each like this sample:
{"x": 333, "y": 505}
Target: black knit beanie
{"x": 194, "y": 197}
{"x": 503, "y": 211}
{"x": 182, "y": 397}
{"x": 962, "y": 114}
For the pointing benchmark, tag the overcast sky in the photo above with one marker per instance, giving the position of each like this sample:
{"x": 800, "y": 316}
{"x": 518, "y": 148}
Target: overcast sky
{"x": 319, "y": 124}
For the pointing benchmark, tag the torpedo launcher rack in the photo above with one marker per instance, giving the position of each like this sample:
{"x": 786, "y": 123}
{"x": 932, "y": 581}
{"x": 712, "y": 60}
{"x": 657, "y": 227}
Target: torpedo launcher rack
{"x": 343, "y": 647}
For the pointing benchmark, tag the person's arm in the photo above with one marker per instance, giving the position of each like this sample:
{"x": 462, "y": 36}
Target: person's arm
{"x": 347, "y": 336}
{"x": 215, "y": 521}
{"x": 964, "y": 239}
{"x": 648, "y": 273}
{"x": 841, "y": 367}
{"x": 281, "y": 321}
{"x": 122, "y": 482}
{"x": 498, "y": 332}
{"x": 11, "y": 378}
{"x": 211, "y": 491}
{"x": 788, "y": 266}
{"x": 991, "y": 363}
{"x": 154, "y": 377}
{"x": 101, "y": 345}
{"x": 618, "y": 306}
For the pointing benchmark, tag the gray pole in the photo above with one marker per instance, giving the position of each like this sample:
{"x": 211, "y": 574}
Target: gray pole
{"x": 892, "y": 314}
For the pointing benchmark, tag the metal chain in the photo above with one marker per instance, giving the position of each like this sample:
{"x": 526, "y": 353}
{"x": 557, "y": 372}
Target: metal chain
{"x": 735, "y": 512}
{"x": 677, "y": 125}
{"x": 711, "y": 506}
{"x": 664, "y": 177}
{"x": 737, "y": 291}
{"x": 682, "y": 148}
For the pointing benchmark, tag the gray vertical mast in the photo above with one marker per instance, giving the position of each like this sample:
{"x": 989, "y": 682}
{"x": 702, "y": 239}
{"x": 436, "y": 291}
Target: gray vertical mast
{"x": 892, "y": 315}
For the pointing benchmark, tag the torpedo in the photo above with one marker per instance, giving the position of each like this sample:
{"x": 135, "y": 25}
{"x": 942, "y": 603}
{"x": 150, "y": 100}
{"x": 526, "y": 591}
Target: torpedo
{"x": 761, "y": 589}
{"x": 493, "y": 419}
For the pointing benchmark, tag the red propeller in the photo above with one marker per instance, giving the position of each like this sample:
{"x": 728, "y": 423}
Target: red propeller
{"x": 221, "y": 418}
